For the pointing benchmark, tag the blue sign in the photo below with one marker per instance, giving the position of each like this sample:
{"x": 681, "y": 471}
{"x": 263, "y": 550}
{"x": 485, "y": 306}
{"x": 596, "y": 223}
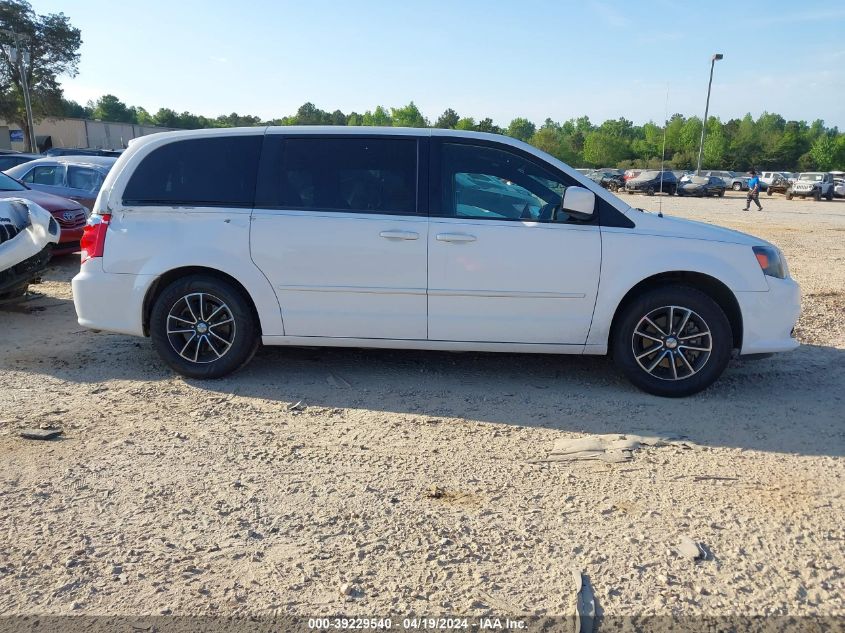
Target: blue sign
{"x": 16, "y": 135}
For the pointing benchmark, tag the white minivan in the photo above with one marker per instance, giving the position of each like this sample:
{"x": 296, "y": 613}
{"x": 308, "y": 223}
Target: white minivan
{"x": 212, "y": 242}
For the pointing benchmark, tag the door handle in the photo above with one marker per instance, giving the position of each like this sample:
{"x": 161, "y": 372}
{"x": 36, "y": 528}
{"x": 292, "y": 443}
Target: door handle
{"x": 399, "y": 235}
{"x": 455, "y": 237}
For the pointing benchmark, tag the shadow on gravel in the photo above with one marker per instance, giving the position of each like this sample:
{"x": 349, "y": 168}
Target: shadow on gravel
{"x": 789, "y": 403}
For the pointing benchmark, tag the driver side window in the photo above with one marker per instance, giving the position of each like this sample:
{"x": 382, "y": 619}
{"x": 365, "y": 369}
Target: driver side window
{"x": 489, "y": 183}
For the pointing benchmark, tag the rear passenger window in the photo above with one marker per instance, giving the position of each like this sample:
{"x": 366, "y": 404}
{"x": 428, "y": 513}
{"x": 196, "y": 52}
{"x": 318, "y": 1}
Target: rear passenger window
{"x": 198, "y": 172}
{"x": 51, "y": 175}
{"x": 357, "y": 175}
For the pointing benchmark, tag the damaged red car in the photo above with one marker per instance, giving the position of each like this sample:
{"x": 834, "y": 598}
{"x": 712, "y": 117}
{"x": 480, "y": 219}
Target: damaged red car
{"x": 69, "y": 214}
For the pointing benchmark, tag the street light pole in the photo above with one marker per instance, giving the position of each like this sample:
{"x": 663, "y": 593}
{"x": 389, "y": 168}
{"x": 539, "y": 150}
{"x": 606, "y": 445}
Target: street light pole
{"x": 20, "y": 58}
{"x": 713, "y": 61}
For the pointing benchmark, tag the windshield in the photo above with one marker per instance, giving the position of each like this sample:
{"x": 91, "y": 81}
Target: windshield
{"x": 7, "y": 183}
{"x": 811, "y": 176}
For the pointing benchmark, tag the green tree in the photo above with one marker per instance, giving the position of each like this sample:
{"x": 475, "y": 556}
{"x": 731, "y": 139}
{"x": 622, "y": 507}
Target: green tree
{"x": 715, "y": 145}
{"x": 487, "y": 125}
{"x": 379, "y": 118}
{"x": 690, "y": 135}
{"x": 823, "y": 152}
{"x": 520, "y": 128}
{"x": 408, "y": 116}
{"x": 467, "y": 123}
{"x": 110, "y": 108}
{"x": 74, "y": 110}
{"x": 52, "y": 45}
{"x": 603, "y": 150}
{"x": 448, "y": 120}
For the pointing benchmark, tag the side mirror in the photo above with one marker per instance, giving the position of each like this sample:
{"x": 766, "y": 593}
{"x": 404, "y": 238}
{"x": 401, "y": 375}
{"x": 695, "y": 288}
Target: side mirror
{"x": 578, "y": 203}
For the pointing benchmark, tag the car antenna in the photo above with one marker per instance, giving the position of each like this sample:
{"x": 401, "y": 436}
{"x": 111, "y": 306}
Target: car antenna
{"x": 663, "y": 153}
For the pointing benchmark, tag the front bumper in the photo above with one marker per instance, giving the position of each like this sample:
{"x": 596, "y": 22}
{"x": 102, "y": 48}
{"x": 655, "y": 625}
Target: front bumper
{"x": 803, "y": 192}
{"x": 19, "y": 276}
{"x": 769, "y": 318}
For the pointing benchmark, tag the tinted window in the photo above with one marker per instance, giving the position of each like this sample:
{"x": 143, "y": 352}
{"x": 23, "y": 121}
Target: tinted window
{"x": 360, "y": 175}
{"x": 198, "y": 172}
{"x": 490, "y": 183}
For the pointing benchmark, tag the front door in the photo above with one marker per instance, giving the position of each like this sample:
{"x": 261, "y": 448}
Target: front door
{"x": 500, "y": 269}
{"x": 337, "y": 232}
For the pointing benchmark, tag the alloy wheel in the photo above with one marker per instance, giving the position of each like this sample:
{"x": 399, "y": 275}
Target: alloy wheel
{"x": 672, "y": 343}
{"x": 201, "y": 327}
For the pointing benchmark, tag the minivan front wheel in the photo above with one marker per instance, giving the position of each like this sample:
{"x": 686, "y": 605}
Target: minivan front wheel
{"x": 203, "y": 327}
{"x": 673, "y": 341}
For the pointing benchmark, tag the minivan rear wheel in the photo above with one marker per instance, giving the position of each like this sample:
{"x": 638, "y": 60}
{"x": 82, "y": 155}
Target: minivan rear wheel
{"x": 672, "y": 341}
{"x": 203, "y": 327}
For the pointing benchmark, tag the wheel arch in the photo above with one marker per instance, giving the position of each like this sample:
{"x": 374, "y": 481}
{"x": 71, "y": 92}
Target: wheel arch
{"x": 710, "y": 286}
{"x": 170, "y": 276}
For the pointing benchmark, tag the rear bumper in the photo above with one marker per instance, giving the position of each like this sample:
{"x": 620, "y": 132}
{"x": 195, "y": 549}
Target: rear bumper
{"x": 769, "y": 318}
{"x": 110, "y": 301}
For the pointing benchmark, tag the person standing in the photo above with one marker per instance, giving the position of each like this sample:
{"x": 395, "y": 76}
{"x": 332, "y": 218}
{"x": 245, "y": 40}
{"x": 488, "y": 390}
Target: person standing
{"x": 753, "y": 191}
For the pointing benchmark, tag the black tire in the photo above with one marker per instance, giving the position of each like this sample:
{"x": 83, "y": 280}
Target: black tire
{"x": 789, "y": 195}
{"x": 204, "y": 293}
{"x": 649, "y": 191}
{"x": 705, "y": 312}
{"x": 737, "y": 186}
{"x": 817, "y": 195}
{"x": 829, "y": 196}
{"x": 672, "y": 191}
{"x": 721, "y": 193}
{"x": 768, "y": 192}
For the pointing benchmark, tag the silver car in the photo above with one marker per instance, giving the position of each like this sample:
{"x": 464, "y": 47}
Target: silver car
{"x": 76, "y": 177}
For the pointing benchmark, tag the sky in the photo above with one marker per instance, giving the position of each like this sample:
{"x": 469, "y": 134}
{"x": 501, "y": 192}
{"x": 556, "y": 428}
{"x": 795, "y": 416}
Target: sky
{"x": 496, "y": 58}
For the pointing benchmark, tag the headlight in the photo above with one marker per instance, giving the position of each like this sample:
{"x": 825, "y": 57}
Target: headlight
{"x": 771, "y": 261}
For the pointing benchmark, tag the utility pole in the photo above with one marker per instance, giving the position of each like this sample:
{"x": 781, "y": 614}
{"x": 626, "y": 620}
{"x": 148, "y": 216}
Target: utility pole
{"x": 21, "y": 59}
{"x": 713, "y": 61}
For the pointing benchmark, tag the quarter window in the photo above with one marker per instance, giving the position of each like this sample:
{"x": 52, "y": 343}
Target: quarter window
{"x": 490, "y": 183}
{"x": 353, "y": 174}
{"x": 83, "y": 178}
{"x": 198, "y": 172}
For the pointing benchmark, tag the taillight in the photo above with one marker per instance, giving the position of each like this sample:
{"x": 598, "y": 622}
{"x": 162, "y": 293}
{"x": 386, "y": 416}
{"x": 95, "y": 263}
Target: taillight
{"x": 93, "y": 240}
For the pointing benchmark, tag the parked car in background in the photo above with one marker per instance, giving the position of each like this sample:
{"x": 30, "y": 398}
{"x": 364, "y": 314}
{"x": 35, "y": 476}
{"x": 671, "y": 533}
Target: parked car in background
{"x": 76, "y": 177}
{"x": 769, "y": 176}
{"x": 213, "y": 242}
{"x": 812, "y": 184}
{"x": 7, "y": 161}
{"x": 651, "y": 182}
{"x": 70, "y": 215}
{"x": 631, "y": 173}
{"x": 608, "y": 179}
{"x": 732, "y": 180}
{"x": 839, "y": 187}
{"x": 82, "y": 151}
{"x": 779, "y": 184}
{"x": 702, "y": 186}
{"x": 27, "y": 233}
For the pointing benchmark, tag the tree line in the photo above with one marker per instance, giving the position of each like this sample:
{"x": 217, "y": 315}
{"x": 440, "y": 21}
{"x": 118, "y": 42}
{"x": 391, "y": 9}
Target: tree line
{"x": 767, "y": 142}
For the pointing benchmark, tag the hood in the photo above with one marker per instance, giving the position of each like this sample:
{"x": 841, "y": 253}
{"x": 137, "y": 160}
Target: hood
{"x": 653, "y": 224}
{"x": 43, "y": 199}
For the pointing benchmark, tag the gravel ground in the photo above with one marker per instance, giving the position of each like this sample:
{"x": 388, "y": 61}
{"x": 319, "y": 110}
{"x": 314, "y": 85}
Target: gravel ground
{"x": 411, "y": 482}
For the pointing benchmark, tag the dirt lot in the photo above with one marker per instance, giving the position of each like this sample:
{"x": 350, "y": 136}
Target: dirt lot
{"x": 174, "y": 496}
